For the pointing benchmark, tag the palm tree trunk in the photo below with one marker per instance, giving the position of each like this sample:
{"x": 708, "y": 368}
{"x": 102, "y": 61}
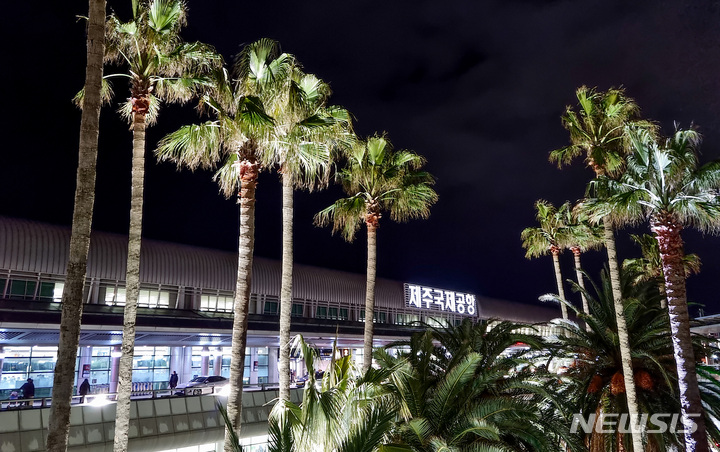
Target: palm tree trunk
{"x": 623, "y": 338}
{"x": 132, "y": 286}
{"x": 558, "y": 280}
{"x": 670, "y": 243}
{"x": 72, "y": 300}
{"x": 246, "y": 244}
{"x": 581, "y": 283}
{"x": 370, "y": 294}
{"x": 286, "y": 285}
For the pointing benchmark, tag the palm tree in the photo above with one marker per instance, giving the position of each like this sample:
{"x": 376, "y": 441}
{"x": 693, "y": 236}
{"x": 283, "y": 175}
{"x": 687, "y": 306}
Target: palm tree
{"x": 579, "y": 235}
{"x": 597, "y": 132}
{"x": 238, "y": 141}
{"x": 302, "y": 138}
{"x": 465, "y": 388}
{"x": 343, "y": 412}
{"x": 72, "y": 305}
{"x": 664, "y": 185}
{"x": 592, "y": 384}
{"x": 160, "y": 68}
{"x": 378, "y": 179}
{"x": 304, "y": 152}
{"x": 545, "y": 239}
{"x": 649, "y": 266}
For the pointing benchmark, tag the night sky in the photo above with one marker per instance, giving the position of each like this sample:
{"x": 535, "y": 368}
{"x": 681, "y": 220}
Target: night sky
{"x": 477, "y": 87}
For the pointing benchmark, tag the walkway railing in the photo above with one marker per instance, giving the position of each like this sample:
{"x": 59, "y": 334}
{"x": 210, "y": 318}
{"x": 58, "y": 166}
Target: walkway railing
{"x": 100, "y": 399}
{"x": 158, "y": 423}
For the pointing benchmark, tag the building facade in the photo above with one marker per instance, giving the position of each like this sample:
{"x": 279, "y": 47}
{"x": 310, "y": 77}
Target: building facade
{"x": 185, "y": 310}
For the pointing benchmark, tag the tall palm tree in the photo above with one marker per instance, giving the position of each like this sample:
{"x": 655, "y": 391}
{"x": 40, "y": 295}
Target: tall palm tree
{"x": 663, "y": 184}
{"x": 72, "y": 305}
{"x": 545, "y": 239}
{"x": 597, "y": 132}
{"x": 649, "y": 266}
{"x": 160, "y": 68}
{"x": 237, "y": 140}
{"x": 378, "y": 179}
{"x": 303, "y": 134}
{"x": 579, "y": 235}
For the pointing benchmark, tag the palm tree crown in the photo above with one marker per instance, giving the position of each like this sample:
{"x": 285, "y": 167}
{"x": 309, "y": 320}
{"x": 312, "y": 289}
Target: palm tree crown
{"x": 649, "y": 266}
{"x": 546, "y": 238}
{"x": 160, "y": 66}
{"x": 597, "y": 129}
{"x": 664, "y": 183}
{"x": 379, "y": 180}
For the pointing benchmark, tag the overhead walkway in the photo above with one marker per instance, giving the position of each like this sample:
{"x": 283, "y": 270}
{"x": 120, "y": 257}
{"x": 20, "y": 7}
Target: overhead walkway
{"x": 155, "y": 424}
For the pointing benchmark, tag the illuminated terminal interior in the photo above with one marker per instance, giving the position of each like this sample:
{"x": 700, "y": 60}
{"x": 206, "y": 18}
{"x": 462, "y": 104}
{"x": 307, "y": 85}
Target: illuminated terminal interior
{"x": 185, "y": 305}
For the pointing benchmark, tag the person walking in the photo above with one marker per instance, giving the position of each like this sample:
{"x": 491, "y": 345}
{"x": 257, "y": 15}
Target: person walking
{"x": 83, "y": 390}
{"x": 28, "y": 390}
{"x": 173, "y": 380}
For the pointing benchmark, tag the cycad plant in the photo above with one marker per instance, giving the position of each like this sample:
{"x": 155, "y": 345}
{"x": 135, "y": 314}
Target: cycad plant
{"x": 160, "y": 67}
{"x": 665, "y": 185}
{"x": 593, "y": 385}
{"x": 342, "y": 412}
{"x": 378, "y": 179}
{"x": 472, "y": 387}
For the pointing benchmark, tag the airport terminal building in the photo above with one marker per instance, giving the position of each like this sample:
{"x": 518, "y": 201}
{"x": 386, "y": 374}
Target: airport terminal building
{"x": 184, "y": 319}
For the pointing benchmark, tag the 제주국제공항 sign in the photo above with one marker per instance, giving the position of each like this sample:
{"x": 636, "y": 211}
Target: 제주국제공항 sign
{"x": 430, "y": 298}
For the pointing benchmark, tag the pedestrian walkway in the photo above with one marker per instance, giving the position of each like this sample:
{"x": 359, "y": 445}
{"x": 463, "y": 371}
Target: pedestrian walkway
{"x": 155, "y": 424}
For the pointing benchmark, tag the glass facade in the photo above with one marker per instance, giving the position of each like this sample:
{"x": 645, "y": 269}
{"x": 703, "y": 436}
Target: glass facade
{"x": 100, "y": 362}
{"x": 147, "y": 298}
{"x": 31, "y": 289}
{"x": 271, "y": 307}
{"x": 21, "y": 363}
{"x": 217, "y": 303}
{"x": 262, "y": 365}
{"x": 152, "y": 365}
{"x": 114, "y": 294}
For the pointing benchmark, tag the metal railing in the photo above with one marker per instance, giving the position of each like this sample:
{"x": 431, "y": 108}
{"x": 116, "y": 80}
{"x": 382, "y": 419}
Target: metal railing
{"x": 92, "y": 399}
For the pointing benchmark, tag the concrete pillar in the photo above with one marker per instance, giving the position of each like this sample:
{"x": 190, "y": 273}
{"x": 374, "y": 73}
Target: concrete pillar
{"x": 95, "y": 292}
{"x": 176, "y": 361}
{"x": 180, "y": 299}
{"x": 205, "y": 361}
{"x": 217, "y": 363}
{"x": 253, "y": 368}
{"x": 357, "y": 357}
{"x": 115, "y": 354}
{"x": 186, "y": 371}
{"x": 273, "y": 353}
